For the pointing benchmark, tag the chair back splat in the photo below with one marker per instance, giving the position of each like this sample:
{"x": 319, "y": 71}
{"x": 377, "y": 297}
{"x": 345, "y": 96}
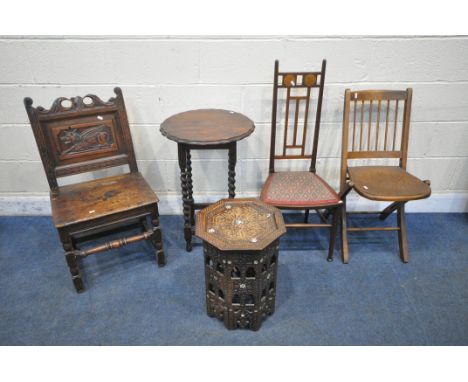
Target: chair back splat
{"x": 375, "y": 125}
{"x": 300, "y": 94}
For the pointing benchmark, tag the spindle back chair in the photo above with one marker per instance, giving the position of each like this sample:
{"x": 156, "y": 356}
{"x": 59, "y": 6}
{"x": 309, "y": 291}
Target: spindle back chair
{"x": 301, "y": 95}
{"x": 376, "y": 126}
{"x": 84, "y": 134}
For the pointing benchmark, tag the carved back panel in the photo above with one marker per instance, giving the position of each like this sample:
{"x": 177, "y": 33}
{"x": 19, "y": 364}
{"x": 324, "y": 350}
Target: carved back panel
{"x": 375, "y": 125}
{"x": 82, "y": 134}
{"x": 297, "y": 106}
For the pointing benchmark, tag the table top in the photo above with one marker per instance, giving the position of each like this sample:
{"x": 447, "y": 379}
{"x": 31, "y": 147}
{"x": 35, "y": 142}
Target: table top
{"x": 207, "y": 127}
{"x": 240, "y": 224}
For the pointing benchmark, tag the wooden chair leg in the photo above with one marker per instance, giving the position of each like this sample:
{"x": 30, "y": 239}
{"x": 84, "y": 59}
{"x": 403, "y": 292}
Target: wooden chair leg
{"x": 402, "y": 233}
{"x": 331, "y": 248}
{"x": 306, "y": 216}
{"x": 157, "y": 238}
{"x": 344, "y": 233}
{"x": 73, "y": 264}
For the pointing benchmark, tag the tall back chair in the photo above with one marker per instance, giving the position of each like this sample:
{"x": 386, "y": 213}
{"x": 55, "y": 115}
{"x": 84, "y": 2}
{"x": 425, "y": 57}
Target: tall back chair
{"x": 80, "y": 135}
{"x": 294, "y": 135}
{"x": 376, "y": 126}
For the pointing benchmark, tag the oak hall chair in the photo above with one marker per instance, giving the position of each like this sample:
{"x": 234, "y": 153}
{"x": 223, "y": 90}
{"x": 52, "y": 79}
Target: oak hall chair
{"x": 80, "y": 135}
{"x": 375, "y": 126}
{"x": 299, "y": 190}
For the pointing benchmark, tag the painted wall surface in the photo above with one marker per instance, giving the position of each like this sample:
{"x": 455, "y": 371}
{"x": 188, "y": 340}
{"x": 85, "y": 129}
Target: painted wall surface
{"x": 161, "y": 76}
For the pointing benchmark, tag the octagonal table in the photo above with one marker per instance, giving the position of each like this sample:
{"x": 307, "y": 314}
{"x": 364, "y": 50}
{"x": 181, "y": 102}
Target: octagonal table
{"x": 241, "y": 248}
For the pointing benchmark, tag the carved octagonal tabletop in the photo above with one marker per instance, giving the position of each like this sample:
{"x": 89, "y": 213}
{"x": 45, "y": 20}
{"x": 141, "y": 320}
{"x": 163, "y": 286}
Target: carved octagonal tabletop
{"x": 207, "y": 126}
{"x": 240, "y": 224}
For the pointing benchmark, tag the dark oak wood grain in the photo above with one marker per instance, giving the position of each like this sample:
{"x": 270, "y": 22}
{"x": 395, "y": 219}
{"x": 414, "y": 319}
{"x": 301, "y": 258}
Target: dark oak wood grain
{"x": 241, "y": 250}
{"x": 83, "y": 134}
{"x": 207, "y": 126}
{"x": 100, "y": 198}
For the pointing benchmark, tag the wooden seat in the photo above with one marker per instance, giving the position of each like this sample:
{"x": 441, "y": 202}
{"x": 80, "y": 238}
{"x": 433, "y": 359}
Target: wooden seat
{"x": 302, "y": 189}
{"x": 302, "y": 93}
{"x": 84, "y": 134}
{"x": 376, "y": 126}
{"x": 100, "y": 198}
{"x": 387, "y": 183}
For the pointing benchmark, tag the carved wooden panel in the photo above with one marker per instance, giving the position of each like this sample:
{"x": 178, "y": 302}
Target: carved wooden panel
{"x": 82, "y": 134}
{"x": 241, "y": 286}
{"x": 85, "y": 138}
{"x": 240, "y": 224}
{"x": 67, "y": 106}
{"x": 243, "y": 223}
{"x": 241, "y": 245}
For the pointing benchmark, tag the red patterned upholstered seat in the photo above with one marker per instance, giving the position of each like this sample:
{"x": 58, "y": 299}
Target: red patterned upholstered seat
{"x": 297, "y": 189}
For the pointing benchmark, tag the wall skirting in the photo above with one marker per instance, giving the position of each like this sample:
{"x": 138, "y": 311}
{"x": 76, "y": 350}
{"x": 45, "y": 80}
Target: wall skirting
{"x": 171, "y": 203}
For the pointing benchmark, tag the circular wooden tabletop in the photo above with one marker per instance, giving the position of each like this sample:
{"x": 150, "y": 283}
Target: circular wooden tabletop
{"x": 207, "y": 127}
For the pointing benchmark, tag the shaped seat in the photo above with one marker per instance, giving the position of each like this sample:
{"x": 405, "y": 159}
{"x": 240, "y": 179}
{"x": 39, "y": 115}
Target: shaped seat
{"x": 387, "y": 183}
{"x": 302, "y": 189}
{"x": 100, "y": 198}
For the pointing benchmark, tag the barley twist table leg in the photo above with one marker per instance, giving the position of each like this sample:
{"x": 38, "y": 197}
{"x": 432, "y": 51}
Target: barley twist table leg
{"x": 187, "y": 201}
{"x": 190, "y": 186}
{"x": 232, "y": 169}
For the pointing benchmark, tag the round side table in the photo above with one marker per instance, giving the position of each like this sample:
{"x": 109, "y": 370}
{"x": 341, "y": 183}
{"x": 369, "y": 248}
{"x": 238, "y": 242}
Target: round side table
{"x": 204, "y": 129}
{"x": 241, "y": 248}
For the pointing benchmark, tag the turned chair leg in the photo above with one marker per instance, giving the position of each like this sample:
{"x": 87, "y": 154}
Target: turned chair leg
{"x": 156, "y": 238}
{"x": 331, "y": 248}
{"x": 73, "y": 265}
{"x": 401, "y": 219}
{"x": 344, "y": 233}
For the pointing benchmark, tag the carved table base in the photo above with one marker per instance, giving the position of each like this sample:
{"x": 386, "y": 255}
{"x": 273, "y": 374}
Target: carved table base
{"x": 241, "y": 286}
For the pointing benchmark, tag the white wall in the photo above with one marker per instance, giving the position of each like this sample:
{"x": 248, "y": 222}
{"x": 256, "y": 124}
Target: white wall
{"x": 164, "y": 75}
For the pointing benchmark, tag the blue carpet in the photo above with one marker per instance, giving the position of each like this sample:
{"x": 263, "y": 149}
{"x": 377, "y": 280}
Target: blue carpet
{"x": 375, "y": 300}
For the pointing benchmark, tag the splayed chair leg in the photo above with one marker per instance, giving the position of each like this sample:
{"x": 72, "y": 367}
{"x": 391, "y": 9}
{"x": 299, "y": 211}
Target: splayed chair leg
{"x": 333, "y": 229}
{"x": 401, "y": 219}
{"x": 344, "y": 234}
